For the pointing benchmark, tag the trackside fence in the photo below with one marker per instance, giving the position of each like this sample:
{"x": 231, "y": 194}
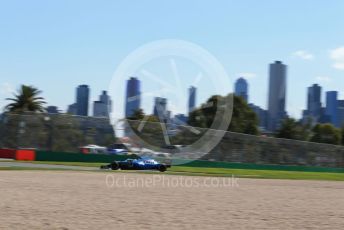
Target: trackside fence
{"x": 55, "y": 136}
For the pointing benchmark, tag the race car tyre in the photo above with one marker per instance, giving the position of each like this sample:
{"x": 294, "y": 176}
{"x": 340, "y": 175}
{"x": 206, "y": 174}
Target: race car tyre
{"x": 114, "y": 166}
{"x": 162, "y": 168}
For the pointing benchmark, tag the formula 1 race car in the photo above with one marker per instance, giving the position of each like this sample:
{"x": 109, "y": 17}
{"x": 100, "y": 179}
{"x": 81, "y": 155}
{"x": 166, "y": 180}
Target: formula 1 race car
{"x": 141, "y": 163}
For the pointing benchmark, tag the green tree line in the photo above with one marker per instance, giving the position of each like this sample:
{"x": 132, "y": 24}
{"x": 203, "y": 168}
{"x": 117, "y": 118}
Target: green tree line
{"x": 320, "y": 133}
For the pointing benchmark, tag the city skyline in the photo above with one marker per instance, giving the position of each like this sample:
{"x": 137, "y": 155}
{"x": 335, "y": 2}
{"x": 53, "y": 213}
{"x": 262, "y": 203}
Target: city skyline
{"x": 97, "y": 42}
{"x": 331, "y": 111}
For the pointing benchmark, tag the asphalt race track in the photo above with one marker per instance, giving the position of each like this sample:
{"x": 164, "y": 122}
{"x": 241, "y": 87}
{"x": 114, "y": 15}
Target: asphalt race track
{"x": 43, "y": 166}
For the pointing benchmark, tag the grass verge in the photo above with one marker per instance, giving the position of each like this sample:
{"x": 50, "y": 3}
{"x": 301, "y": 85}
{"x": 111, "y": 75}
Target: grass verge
{"x": 222, "y": 172}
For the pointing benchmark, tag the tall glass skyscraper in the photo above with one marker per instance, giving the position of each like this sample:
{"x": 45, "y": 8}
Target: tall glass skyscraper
{"x": 277, "y": 94}
{"x": 341, "y": 112}
{"x": 314, "y": 102}
{"x": 241, "y": 88}
{"x": 105, "y": 98}
{"x": 160, "y": 108}
{"x": 102, "y": 108}
{"x": 192, "y": 99}
{"x": 133, "y": 96}
{"x": 332, "y": 107}
{"x": 82, "y": 100}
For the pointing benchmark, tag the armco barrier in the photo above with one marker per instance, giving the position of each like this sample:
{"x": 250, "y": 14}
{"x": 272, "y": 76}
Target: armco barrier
{"x": 25, "y": 155}
{"x": 78, "y": 157}
{"x": 8, "y": 153}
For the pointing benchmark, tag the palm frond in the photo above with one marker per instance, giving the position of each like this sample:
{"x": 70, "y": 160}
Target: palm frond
{"x": 26, "y": 99}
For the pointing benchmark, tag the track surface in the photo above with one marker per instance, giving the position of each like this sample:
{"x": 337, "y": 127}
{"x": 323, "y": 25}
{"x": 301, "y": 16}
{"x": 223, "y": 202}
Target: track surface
{"x": 82, "y": 200}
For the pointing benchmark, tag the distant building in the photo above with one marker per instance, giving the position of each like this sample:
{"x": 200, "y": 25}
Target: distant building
{"x": 324, "y": 118}
{"x": 52, "y": 109}
{"x": 180, "y": 119}
{"x": 241, "y": 88}
{"x": 341, "y": 112}
{"x": 277, "y": 95}
{"x": 133, "y": 96}
{"x": 313, "y": 112}
{"x": 72, "y": 109}
{"x": 314, "y": 100}
{"x": 160, "y": 108}
{"x": 332, "y": 107}
{"x": 341, "y": 116}
{"x": 261, "y": 114}
{"x": 82, "y": 100}
{"x": 192, "y": 99}
{"x": 168, "y": 115}
{"x": 102, "y": 108}
{"x": 176, "y": 122}
{"x": 105, "y": 98}
{"x": 341, "y": 103}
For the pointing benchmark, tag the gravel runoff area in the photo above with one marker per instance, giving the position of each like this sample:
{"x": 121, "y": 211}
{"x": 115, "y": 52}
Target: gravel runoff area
{"x": 105, "y": 200}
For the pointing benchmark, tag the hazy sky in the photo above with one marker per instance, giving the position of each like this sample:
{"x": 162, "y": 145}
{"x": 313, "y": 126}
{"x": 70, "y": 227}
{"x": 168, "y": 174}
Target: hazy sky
{"x": 56, "y": 45}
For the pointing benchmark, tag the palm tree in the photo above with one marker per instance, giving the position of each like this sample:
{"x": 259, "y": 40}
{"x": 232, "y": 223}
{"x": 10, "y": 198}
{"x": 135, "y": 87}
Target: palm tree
{"x": 26, "y": 100}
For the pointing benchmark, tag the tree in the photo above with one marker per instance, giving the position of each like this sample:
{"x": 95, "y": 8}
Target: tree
{"x": 147, "y": 127}
{"x": 204, "y": 116}
{"x": 137, "y": 115}
{"x": 25, "y": 100}
{"x": 291, "y": 129}
{"x": 140, "y": 115}
{"x": 326, "y": 133}
{"x": 244, "y": 119}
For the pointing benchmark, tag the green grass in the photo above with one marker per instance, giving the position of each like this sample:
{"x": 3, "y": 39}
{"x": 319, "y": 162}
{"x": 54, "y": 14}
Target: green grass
{"x": 260, "y": 174}
{"x": 216, "y": 172}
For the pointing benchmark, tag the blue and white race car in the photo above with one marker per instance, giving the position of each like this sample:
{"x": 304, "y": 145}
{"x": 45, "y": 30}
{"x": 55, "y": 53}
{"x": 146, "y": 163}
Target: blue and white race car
{"x": 142, "y": 163}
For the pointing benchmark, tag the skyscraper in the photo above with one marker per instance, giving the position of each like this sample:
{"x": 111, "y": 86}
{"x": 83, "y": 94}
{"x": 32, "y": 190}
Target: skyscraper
{"x": 341, "y": 112}
{"x": 241, "y": 88}
{"x": 192, "y": 99}
{"x": 72, "y": 109}
{"x": 341, "y": 103}
{"x": 82, "y": 99}
{"x": 105, "y": 98}
{"x": 277, "y": 94}
{"x": 133, "y": 96}
{"x": 52, "y": 109}
{"x": 102, "y": 108}
{"x": 332, "y": 107}
{"x": 261, "y": 114}
{"x": 313, "y": 103}
{"x": 160, "y": 108}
